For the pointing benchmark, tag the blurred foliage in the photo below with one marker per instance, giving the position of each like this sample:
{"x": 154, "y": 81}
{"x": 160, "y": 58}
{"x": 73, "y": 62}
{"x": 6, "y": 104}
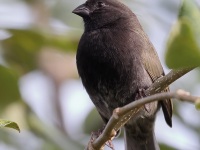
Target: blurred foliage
{"x": 21, "y": 49}
{"x": 9, "y": 124}
{"x": 197, "y": 105}
{"x": 9, "y": 90}
{"x": 96, "y": 123}
{"x": 183, "y": 47}
{"x": 165, "y": 147}
{"x": 39, "y": 46}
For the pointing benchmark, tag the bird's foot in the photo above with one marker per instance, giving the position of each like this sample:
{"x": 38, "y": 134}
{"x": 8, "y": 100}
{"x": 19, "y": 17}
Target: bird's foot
{"x": 110, "y": 144}
{"x": 142, "y": 94}
{"x": 95, "y": 135}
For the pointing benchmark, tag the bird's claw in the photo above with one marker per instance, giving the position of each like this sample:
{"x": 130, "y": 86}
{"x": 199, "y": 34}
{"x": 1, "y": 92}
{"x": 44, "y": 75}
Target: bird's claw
{"x": 141, "y": 94}
{"x": 110, "y": 144}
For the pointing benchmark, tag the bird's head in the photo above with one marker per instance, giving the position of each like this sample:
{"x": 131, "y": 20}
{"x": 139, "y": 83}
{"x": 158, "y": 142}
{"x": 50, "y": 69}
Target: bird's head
{"x": 100, "y": 13}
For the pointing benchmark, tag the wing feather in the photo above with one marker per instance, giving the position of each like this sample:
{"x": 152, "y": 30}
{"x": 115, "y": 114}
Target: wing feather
{"x": 154, "y": 68}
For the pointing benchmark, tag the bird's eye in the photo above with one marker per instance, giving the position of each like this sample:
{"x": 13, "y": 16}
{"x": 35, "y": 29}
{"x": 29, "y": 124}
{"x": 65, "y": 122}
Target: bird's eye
{"x": 100, "y": 4}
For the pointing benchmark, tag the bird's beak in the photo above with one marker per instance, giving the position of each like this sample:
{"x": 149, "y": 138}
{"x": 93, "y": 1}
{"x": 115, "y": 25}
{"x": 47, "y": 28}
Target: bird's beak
{"x": 82, "y": 11}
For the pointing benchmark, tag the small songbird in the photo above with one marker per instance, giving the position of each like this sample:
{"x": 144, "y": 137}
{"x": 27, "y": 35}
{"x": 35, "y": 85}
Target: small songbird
{"x": 116, "y": 60}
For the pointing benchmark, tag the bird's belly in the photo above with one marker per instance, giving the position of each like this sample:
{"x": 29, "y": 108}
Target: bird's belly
{"x": 109, "y": 87}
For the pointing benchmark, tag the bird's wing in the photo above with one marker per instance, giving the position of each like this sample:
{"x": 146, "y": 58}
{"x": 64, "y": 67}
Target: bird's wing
{"x": 154, "y": 68}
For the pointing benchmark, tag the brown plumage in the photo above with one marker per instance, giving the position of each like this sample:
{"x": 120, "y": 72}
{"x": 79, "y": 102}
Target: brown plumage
{"x": 115, "y": 60}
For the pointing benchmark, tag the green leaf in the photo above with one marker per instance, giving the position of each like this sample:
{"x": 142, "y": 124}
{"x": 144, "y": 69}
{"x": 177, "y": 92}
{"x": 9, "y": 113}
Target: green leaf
{"x": 197, "y": 104}
{"x": 9, "y": 90}
{"x": 183, "y": 47}
{"x": 9, "y": 124}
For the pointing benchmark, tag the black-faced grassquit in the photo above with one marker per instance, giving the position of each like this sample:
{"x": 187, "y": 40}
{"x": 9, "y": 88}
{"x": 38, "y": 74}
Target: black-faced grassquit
{"x": 115, "y": 60}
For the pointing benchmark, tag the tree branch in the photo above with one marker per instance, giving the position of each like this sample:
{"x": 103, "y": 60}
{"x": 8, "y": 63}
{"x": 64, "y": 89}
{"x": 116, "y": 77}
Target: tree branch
{"x": 122, "y": 115}
{"x": 163, "y": 82}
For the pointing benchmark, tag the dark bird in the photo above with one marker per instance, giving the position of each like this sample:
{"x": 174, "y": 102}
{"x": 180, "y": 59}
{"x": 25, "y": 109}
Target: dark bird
{"x": 115, "y": 60}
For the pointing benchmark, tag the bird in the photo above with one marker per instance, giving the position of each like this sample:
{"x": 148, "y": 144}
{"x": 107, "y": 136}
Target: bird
{"x": 116, "y": 61}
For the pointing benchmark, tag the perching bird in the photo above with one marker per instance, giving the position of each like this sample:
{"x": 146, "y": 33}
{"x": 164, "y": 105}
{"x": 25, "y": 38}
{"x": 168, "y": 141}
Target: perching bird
{"x": 116, "y": 60}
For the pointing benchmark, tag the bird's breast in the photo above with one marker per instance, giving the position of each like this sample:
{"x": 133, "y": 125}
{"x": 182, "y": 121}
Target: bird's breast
{"x": 106, "y": 64}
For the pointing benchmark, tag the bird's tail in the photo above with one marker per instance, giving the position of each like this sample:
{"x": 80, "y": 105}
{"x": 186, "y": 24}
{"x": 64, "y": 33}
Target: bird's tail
{"x": 147, "y": 142}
